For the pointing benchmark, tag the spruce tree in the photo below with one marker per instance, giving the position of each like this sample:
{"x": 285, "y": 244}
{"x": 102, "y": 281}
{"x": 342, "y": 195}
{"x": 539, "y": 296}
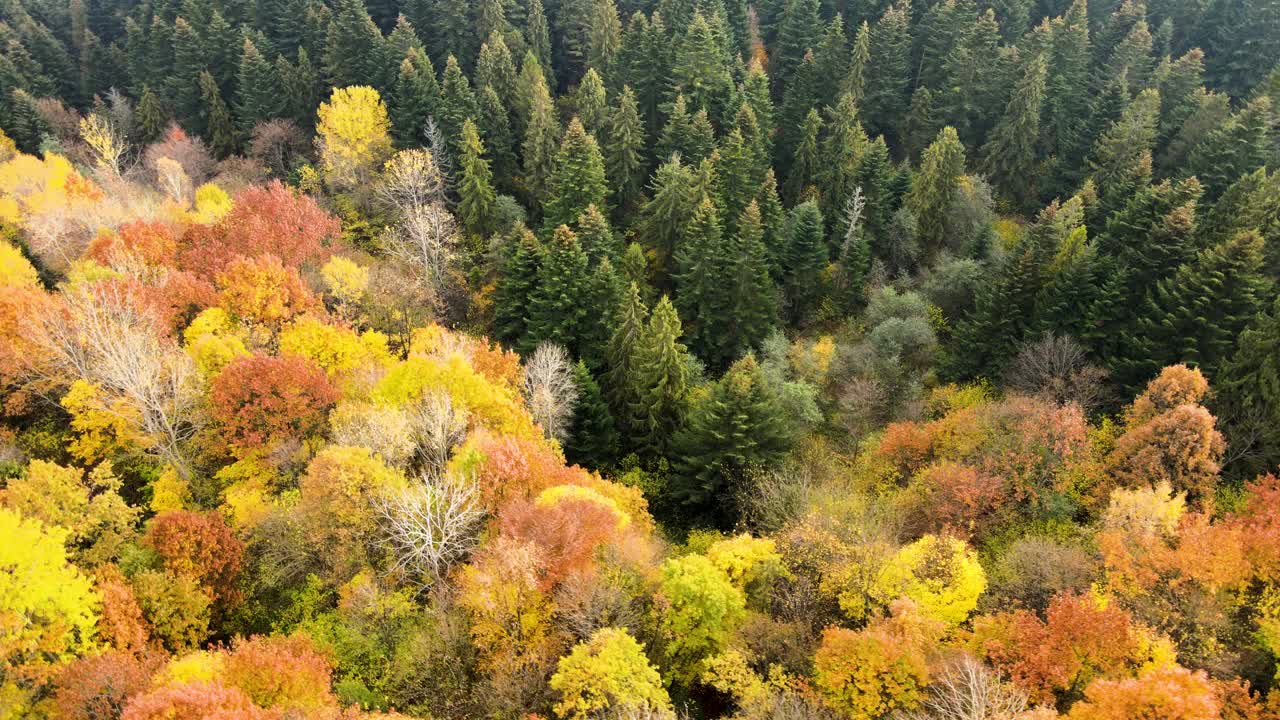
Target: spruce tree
{"x": 677, "y": 134}
{"x": 920, "y": 125}
{"x": 934, "y": 187}
{"x": 635, "y": 266}
{"x": 889, "y": 72}
{"x": 737, "y": 427}
{"x": 751, "y": 312}
{"x": 1233, "y": 150}
{"x": 804, "y": 261}
{"x": 831, "y": 60}
{"x": 671, "y": 204}
{"x": 604, "y": 38}
{"x": 700, "y": 69}
{"x": 624, "y": 151}
{"x": 596, "y": 237}
{"x": 1121, "y": 159}
{"x": 475, "y": 188}
{"x": 590, "y": 101}
{"x": 774, "y": 217}
{"x": 496, "y": 68}
{"x": 735, "y": 183}
{"x": 798, "y": 34}
{"x": 542, "y": 130}
{"x": 183, "y": 80}
{"x": 413, "y": 100}
{"x": 855, "y": 83}
{"x": 152, "y": 117}
{"x": 354, "y": 47}
{"x": 593, "y": 434}
{"x": 1248, "y": 390}
{"x": 221, "y": 133}
{"x": 578, "y": 181}
{"x": 854, "y": 256}
{"x": 659, "y": 381}
{"x": 495, "y": 126}
{"x": 260, "y": 93}
{"x": 457, "y": 103}
{"x": 558, "y": 308}
{"x": 630, "y": 319}
{"x": 1010, "y": 154}
{"x": 538, "y": 35}
{"x": 605, "y": 291}
{"x": 700, "y": 259}
{"x": 842, "y": 152}
{"x": 806, "y": 163}
{"x": 516, "y": 281}
{"x": 875, "y": 177}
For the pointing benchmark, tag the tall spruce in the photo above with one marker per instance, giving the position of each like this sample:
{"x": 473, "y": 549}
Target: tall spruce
{"x": 578, "y": 181}
{"x": 476, "y": 195}
{"x": 659, "y": 380}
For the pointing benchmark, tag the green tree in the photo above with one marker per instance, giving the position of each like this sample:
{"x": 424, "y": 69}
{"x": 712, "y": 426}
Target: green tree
{"x": 935, "y": 186}
{"x": 798, "y": 34}
{"x": 1010, "y": 154}
{"x": 672, "y": 202}
{"x": 222, "y": 133}
{"x": 593, "y": 434}
{"x": 630, "y": 320}
{"x": 414, "y": 99}
{"x": 1121, "y": 158}
{"x": 700, "y": 70}
{"x": 516, "y": 282}
{"x": 457, "y": 103}
{"x": 475, "y": 188}
{"x": 608, "y": 671}
{"x": 578, "y": 181}
{"x": 152, "y": 117}
{"x": 604, "y": 39}
{"x": 805, "y": 259}
{"x": 699, "y": 258}
{"x": 842, "y": 152}
{"x": 659, "y": 381}
{"x": 806, "y": 163}
{"x": 260, "y": 93}
{"x": 590, "y": 101}
{"x": 557, "y": 310}
{"x": 889, "y": 73}
{"x": 537, "y": 34}
{"x": 702, "y": 611}
{"x": 1235, "y": 149}
{"x": 855, "y": 83}
{"x": 354, "y": 47}
{"x": 596, "y": 236}
{"x": 624, "y": 151}
{"x": 496, "y": 68}
{"x": 495, "y": 124}
{"x": 542, "y": 130}
{"x": 735, "y": 427}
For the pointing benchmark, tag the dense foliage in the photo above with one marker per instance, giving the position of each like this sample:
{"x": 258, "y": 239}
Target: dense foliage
{"x": 613, "y": 359}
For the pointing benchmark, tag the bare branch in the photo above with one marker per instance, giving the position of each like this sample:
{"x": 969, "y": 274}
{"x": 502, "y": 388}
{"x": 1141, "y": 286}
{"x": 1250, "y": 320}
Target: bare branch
{"x": 549, "y": 389}
{"x": 430, "y": 526}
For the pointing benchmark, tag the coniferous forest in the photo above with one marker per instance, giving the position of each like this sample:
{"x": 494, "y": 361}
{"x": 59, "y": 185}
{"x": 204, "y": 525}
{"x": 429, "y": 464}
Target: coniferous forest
{"x": 640, "y": 359}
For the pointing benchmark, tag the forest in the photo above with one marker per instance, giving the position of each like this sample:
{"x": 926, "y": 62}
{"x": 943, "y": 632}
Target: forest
{"x": 639, "y": 359}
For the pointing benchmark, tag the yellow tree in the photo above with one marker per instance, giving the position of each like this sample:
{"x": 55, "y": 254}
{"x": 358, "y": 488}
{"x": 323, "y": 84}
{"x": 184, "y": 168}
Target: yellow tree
{"x": 353, "y": 136}
{"x": 609, "y": 670}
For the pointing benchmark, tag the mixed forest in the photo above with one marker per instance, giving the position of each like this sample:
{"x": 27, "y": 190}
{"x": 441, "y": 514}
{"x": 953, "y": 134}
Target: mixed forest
{"x": 640, "y": 360}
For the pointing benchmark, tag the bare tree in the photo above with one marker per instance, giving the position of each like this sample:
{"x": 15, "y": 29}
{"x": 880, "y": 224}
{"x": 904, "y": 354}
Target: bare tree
{"x": 430, "y": 526}
{"x": 1057, "y": 367}
{"x": 107, "y": 141}
{"x": 411, "y": 180}
{"x": 438, "y": 427}
{"x": 966, "y": 689}
{"x": 425, "y": 242}
{"x": 106, "y": 337}
{"x": 173, "y": 180}
{"x": 438, "y": 146}
{"x": 275, "y": 143}
{"x": 549, "y": 389}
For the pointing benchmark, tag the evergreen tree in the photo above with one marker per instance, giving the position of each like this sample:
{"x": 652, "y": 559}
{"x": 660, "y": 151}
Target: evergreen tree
{"x": 804, "y": 262}
{"x": 496, "y": 68}
{"x": 354, "y": 47}
{"x": 624, "y": 151}
{"x": 182, "y": 83}
{"x": 593, "y": 434}
{"x": 152, "y": 117}
{"x": 596, "y": 237}
{"x": 855, "y": 253}
{"x": 842, "y": 152}
{"x": 1233, "y": 150}
{"x": 735, "y": 183}
{"x": 604, "y": 291}
{"x": 558, "y": 310}
{"x": 889, "y": 73}
{"x": 605, "y": 37}
{"x": 222, "y": 133}
{"x": 672, "y": 202}
{"x": 302, "y": 87}
{"x": 751, "y": 311}
{"x": 677, "y": 133}
{"x": 659, "y": 381}
{"x": 1121, "y": 159}
{"x": 735, "y": 428}
{"x": 831, "y": 60}
{"x": 578, "y": 181}
{"x": 798, "y": 34}
{"x": 261, "y": 95}
{"x": 457, "y": 103}
{"x": 700, "y": 69}
{"x": 875, "y": 177}
{"x": 855, "y": 83}
{"x": 934, "y": 187}
{"x": 920, "y": 125}
{"x": 475, "y": 189}
{"x": 635, "y": 266}
{"x": 774, "y": 218}
{"x": 644, "y": 63}
{"x": 516, "y": 282}
{"x": 700, "y": 259}
{"x": 630, "y": 320}
{"x": 805, "y": 165}
{"x": 495, "y": 125}
{"x": 1249, "y": 391}
{"x": 1010, "y": 154}
{"x": 591, "y": 103}
{"x": 1066, "y": 101}
{"x": 413, "y": 100}
{"x": 542, "y": 131}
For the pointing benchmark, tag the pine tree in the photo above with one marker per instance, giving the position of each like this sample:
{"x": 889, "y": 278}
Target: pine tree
{"x": 659, "y": 381}
{"x": 222, "y": 133}
{"x": 261, "y": 95}
{"x": 774, "y": 218}
{"x": 183, "y": 81}
{"x": 805, "y": 164}
{"x": 1121, "y": 159}
{"x": 596, "y": 236}
{"x": 735, "y": 183}
{"x": 413, "y": 100}
{"x": 578, "y": 181}
{"x": 605, "y": 290}
{"x": 842, "y": 152}
{"x": 1010, "y": 154}
{"x": 457, "y": 103}
{"x": 558, "y": 308}
{"x": 496, "y": 68}
{"x": 624, "y": 151}
{"x": 538, "y": 34}
{"x": 798, "y": 34}
{"x": 700, "y": 69}
{"x": 495, "y": 125}
{"x": 630, "y": 319}
{"x": 804, "y": 261}
{"x": 490, "y": 19}
{"x": 752, "y": 309}
{"x": 889, "y": 73}
{"x": 635, "y": 266}
{"x": 934, "y": 187}
{"x": 755, "y": 141}
{"x": 593, "y": 434}
{"x": 475, "y": 189}
{"x": 799, "y": 100}
{"x": 542, "y": 130}
{"x": 591, "y": 103}
{"x": 302, "y": 87}
{"x": 855, "y": 83}
{"x": 516, "y": 282}
{"x": 1233, "y": 150}
{"x": 677, "y": 133}
{"x": 152, "y": 117}
{"x": 604, "y": 39}
{"x": 700, "y": 258}
{"x": 875, "y": 177}
{"x": 732, "y": 430}
{"x": 672, "y": 202}
{"x": 831, "y": 60}
{"x": 354, "y": 47}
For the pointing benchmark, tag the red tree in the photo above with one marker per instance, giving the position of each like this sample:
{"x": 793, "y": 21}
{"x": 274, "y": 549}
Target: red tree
{"x": 196, "y": 701}
{"x": 284, "y": 673}
{"x": 263, "y": 402}
{"x": 200, "y": 546}
{"x": 98, "y": 686}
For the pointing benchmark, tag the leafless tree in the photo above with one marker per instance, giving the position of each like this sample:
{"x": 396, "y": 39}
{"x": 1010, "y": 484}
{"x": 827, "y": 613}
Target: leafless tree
{"x": 106, "y": 337}
{"x": 411, "y": 180}
{"x": 190, "y": 152}
{"x": 437, "y": 428}
{"x": 424, "y": 241}
{"x": 966, "y": 689}
{"x": 438, "y": 146}
{"x": 774, "y": 497}
{"x": 1057, "y": 367}
{"x": 173, "y": 180}
{"x": 430, "y": 526}
{"x": 275, "y": 143}
{"x": 549, "y": 389}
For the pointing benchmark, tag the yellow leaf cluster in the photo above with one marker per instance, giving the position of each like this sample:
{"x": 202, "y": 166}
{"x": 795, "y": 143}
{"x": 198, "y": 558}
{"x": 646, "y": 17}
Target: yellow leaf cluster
{"x": 15, "y": 270}
{"x": 353, "y": 127}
